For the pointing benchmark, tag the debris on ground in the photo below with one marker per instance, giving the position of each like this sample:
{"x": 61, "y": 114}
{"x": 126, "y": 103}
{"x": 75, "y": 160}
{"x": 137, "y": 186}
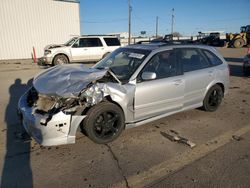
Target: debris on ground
{"x": 174, "y": 137}
{"x": 211, "y": 142}
{"x": 175, "y": 132}
{"x": 235, "y": 87}
{"x": 237, "y": 138}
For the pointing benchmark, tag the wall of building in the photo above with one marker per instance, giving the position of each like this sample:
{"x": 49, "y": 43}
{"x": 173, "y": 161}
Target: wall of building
{"x": 28, "y": 23}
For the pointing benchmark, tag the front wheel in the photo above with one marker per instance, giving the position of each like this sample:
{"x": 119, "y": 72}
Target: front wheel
{"x": 239, "y": 43}
{"x": 213, "y": 98}
{"x": 60, "y": 60}
{"x": 105, "y": 55}
{"x": 104, "y": 122}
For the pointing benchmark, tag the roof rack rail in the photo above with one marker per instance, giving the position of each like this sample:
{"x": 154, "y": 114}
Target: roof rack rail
{"x": 166, "y": 42}
{"x": 96, "y": 35}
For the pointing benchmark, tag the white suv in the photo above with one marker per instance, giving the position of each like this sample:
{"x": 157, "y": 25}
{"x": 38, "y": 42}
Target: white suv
{"x": 88, "y": 48}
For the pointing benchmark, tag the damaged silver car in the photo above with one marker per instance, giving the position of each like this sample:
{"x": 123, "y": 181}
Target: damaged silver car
{"x": 132, "y": 86}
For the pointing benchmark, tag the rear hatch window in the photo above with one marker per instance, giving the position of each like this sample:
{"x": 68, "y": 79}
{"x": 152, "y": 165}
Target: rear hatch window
{"x": 112, "y": 41}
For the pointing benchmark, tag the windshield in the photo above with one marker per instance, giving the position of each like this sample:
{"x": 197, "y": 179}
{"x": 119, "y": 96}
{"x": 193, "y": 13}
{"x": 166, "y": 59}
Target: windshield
{"x": 70, "y": 42}
{"x": 123, "y": 62}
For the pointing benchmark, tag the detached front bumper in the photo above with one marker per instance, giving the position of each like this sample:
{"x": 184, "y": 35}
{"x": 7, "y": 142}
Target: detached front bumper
{"x": 60, "y": 129}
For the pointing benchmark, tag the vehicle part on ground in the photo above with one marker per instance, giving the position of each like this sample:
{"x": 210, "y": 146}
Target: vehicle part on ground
{"x": 104, "y": 122}
{"x": 213, "y": 98}
{"x": 60, "y": 60}
{"x": 177, "y": 138}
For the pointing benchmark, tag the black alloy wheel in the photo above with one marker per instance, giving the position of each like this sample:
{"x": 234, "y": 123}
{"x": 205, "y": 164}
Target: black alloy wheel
{"x": 213, "y": 98}
{"x": 104, "y": 122}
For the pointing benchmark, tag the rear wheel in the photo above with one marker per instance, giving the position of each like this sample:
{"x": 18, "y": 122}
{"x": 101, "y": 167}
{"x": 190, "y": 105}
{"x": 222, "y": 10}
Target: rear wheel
{"x": 213, "y": 98}
{"x": 60, "y": 60}
{"x": 239, "y": 43}
{"x": 105, "y": 55}
{"x": 104, "y": 122}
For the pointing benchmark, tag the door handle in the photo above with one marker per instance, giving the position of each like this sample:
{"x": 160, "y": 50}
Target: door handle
{"x": 177, "y": 82}
{"x": 85, "y": 49}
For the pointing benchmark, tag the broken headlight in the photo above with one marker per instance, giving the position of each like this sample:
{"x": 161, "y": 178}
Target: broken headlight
{"x": 93, "y": 95}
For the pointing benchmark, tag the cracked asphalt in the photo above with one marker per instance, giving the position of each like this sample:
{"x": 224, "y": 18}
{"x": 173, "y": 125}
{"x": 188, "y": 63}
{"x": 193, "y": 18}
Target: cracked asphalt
{"x": 140, "y": 157}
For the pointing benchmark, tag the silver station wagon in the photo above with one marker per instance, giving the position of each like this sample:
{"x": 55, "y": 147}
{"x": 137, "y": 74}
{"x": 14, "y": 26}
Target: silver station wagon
{"x": 132, "y": 86}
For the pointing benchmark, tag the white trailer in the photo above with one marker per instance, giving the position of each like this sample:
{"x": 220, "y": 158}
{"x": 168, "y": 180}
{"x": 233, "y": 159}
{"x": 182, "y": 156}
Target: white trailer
{"x": 25, "y": 24}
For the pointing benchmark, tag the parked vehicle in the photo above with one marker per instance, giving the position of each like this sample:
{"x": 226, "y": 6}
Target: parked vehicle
{"x": 87, "y": 48}
{"x": 212, "y": 38}
{"x": 132, "y": 86}
{"x": 238, "y": 40}
{"x": 246, "y": 65}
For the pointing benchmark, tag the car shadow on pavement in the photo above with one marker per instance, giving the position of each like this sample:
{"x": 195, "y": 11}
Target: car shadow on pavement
{"x": 16, "y": 170}
{"x": 236, "y": 70}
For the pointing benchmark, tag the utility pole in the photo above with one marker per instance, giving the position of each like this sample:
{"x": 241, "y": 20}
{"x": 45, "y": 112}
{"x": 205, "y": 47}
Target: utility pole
{"x": 172, "y": 24}
{"x": 156, "y": 29}
{"x": 129, "y": 22}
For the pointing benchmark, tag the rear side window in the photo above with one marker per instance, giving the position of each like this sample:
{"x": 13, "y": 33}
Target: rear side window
{"x": 112, "y": 41}
{"x": 94, "y": 42}
{"x": 213, "y": 59}
{"x": 87, "y": 42}
{"x": 191, "y": 59}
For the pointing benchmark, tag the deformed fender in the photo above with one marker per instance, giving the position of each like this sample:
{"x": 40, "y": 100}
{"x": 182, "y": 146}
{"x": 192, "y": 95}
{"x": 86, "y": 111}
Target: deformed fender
{"x": 123, "y": 95}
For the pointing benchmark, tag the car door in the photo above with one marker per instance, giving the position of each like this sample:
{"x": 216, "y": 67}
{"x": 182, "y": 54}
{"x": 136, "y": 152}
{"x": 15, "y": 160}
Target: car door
{"x": 161, "y": 95}
{"x": 80, "y": 50}
{"x": 96, "y": 49}
{"x": 197, "y": 74}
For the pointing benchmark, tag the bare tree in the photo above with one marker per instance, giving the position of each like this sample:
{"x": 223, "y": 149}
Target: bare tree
{"x": 177, "y": 34}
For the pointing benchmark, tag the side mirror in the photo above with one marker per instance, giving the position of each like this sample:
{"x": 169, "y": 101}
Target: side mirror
{"x": 148, "y": 75}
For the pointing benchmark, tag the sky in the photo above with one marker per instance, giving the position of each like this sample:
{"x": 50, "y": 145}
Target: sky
{"x": 190, "y": 16}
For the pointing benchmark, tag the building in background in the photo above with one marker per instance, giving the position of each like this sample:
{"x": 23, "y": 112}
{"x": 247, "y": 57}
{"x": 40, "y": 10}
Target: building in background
{"x": 25, "y": 24}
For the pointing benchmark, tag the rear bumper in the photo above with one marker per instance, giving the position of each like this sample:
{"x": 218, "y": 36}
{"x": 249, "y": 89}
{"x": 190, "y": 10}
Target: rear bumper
{"x": 60, "y": 129}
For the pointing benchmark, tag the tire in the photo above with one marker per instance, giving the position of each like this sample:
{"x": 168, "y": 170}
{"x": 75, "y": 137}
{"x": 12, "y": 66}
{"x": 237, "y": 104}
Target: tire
{"x": 245, "y": 71}
{"x": 60, "y": 60}
{"x": 238, "y": 43}
{"x": 213, "y": 99}
{"x": 105, "y": 55}
{"x": 104, "y": 122}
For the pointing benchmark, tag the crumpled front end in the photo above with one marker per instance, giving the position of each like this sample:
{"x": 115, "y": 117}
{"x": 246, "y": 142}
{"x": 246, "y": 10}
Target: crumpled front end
{"x": 47, "y": 127}
{"x": 54, "y": 107}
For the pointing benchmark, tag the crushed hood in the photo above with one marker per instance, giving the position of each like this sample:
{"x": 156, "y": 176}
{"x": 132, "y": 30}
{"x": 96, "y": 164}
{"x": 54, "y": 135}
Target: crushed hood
{"x": 66, "y": 80}
{"x": 51, "y": 46}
